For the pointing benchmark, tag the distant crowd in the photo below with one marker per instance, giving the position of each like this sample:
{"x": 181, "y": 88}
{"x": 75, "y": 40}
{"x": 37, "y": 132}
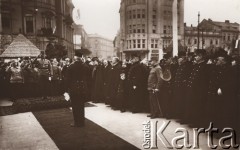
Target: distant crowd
{"x": 194, "y": 88}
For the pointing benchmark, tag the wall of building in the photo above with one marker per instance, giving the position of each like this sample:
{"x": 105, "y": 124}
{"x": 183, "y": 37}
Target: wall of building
{"x": 101, "y": 47}
{"x": 146, "y": 26}
{"x": 212, "y": 35}
{"x": 42, "y": 22}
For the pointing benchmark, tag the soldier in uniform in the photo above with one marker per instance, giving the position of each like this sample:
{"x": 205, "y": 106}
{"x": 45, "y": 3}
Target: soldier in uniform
{"x": 196, "y": 89}
{"x": 77, "y": 84}
{"x": 154, "y": 83}
{"x": 45, "y": 74}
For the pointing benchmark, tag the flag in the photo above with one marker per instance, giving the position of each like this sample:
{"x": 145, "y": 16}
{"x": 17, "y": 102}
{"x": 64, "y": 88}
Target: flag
{"x": 78, "y": 14}
{"x": 236, "y": 44}
{"x": 54, "y": 29}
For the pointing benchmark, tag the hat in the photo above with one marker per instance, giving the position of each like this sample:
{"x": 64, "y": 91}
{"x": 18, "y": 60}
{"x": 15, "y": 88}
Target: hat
{"x": 200, "y": 52}
{"x": 95, "y": 59}
{"x": 135, "y": 55}
{"x": 78, "y": 54}
{"x": 221, "y": 53}
{"x": 224, "y": 54}
{"x": 154, "y": 59}
{"x": 166, "y": 55}
{"x": 181, "y": 54}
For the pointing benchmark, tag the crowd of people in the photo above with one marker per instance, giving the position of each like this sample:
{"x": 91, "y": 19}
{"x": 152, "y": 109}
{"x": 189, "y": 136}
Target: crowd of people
{"x": 194, "y": 88}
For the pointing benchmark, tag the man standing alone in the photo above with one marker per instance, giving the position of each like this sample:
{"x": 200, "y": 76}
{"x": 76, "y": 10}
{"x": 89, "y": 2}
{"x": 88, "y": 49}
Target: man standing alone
{"x": 77, "y": 84}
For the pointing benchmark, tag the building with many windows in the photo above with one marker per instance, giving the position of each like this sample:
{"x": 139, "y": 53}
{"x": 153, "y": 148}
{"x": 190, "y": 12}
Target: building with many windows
{"x": 212, "y": 35}
{"x": 43, "y": 22}
{"x": 146, "y": 26}
{"x": 101, "y": 47}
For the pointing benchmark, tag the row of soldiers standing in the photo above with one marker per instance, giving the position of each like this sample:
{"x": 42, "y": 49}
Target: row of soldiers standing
{"x": 194, "y": 89}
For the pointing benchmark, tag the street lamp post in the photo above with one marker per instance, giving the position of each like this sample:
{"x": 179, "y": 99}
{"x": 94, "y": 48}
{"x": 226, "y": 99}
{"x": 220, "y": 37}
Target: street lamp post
{"x": 202, "y": 39}
{"x": 198, "y": 29}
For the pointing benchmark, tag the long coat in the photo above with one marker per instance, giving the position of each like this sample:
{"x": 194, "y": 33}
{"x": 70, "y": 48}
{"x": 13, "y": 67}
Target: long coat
{"x": 97, "y": 94}
{"x": 78, "y": 72}
{"x": 179, "y": 90}
{"x": 137, "y": 77}
{"x": 105, "y": 78}
{"x": 196, "y": 93}
{"x": 77, "y": 83}
{"x": 113, "y": 82}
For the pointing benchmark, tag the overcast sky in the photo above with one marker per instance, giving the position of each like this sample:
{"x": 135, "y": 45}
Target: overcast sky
{"x": 102, "y": 16}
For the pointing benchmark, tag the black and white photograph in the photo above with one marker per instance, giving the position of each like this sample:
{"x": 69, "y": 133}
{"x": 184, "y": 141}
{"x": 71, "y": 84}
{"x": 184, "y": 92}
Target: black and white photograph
{"x": 119, "y": 74}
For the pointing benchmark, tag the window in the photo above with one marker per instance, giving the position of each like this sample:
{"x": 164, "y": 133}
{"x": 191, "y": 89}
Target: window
{"x": 143, "y": 43}
{"x": 156, "y": 44}
{"x": 211, "y": 41}
{"x": 138, "y": 13}
{"x": 189, "y": 41}
{"x": 170, "y": 29}
{"x": 138, "y": 28}
{"x": 48, "y": 22}
{"x": 134, "y": 28}
{"x": 139, "y": 43}
{"x": 203, "y": 41}
{"x": 143, "y": 13}
{"x": 29, "y": 23}
{"x": 134, "y": 14}
{"x": 130, "y": 14}
{"x": 134, "y": 43}
{"x": 195, "y": 41}
{"x": 6, "y": 21}
{"x": 130, "y": 29}
{"x": 143, "y": 28}
{"x": 216, "y": 42}
{"x": 152, "y": 43}
{"x": 165, "y": 29}
{"x": 130, "y": 44}
{"x": 154, "y": 28}
{"x": 229, "y": 38}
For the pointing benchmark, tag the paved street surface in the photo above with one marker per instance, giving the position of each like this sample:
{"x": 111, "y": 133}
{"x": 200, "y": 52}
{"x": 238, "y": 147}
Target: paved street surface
{"x": 22, "y": 131}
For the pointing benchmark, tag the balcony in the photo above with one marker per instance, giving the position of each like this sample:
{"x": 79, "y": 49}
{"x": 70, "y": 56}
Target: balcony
{"x": 69, "y": 20}
{"x": 46, "y": 32}
{"x": 38, "y": 4}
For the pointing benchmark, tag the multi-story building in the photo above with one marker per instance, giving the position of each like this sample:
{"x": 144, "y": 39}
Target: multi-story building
{"x": 146, "y": 26}
{"x": 43, "y": 22}
{"x": 81, "y": 41}
{"x": 118, "y": 45}
{"x": 101, "y": 47}
{"x": 211, "y": 35}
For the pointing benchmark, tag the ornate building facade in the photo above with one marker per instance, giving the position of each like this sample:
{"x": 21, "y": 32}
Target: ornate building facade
{"x": 43, "y": 22}
{"x": 146, "y": 26}
{"x": 212, "y": 35}
{"x": 100, "y": 46}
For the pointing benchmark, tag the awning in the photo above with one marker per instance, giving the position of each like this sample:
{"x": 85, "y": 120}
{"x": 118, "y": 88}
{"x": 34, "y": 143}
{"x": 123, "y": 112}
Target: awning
{"x": 136, "y": 51}
{"x": 84, "y": 51}
{"x": 21, "y": 47}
